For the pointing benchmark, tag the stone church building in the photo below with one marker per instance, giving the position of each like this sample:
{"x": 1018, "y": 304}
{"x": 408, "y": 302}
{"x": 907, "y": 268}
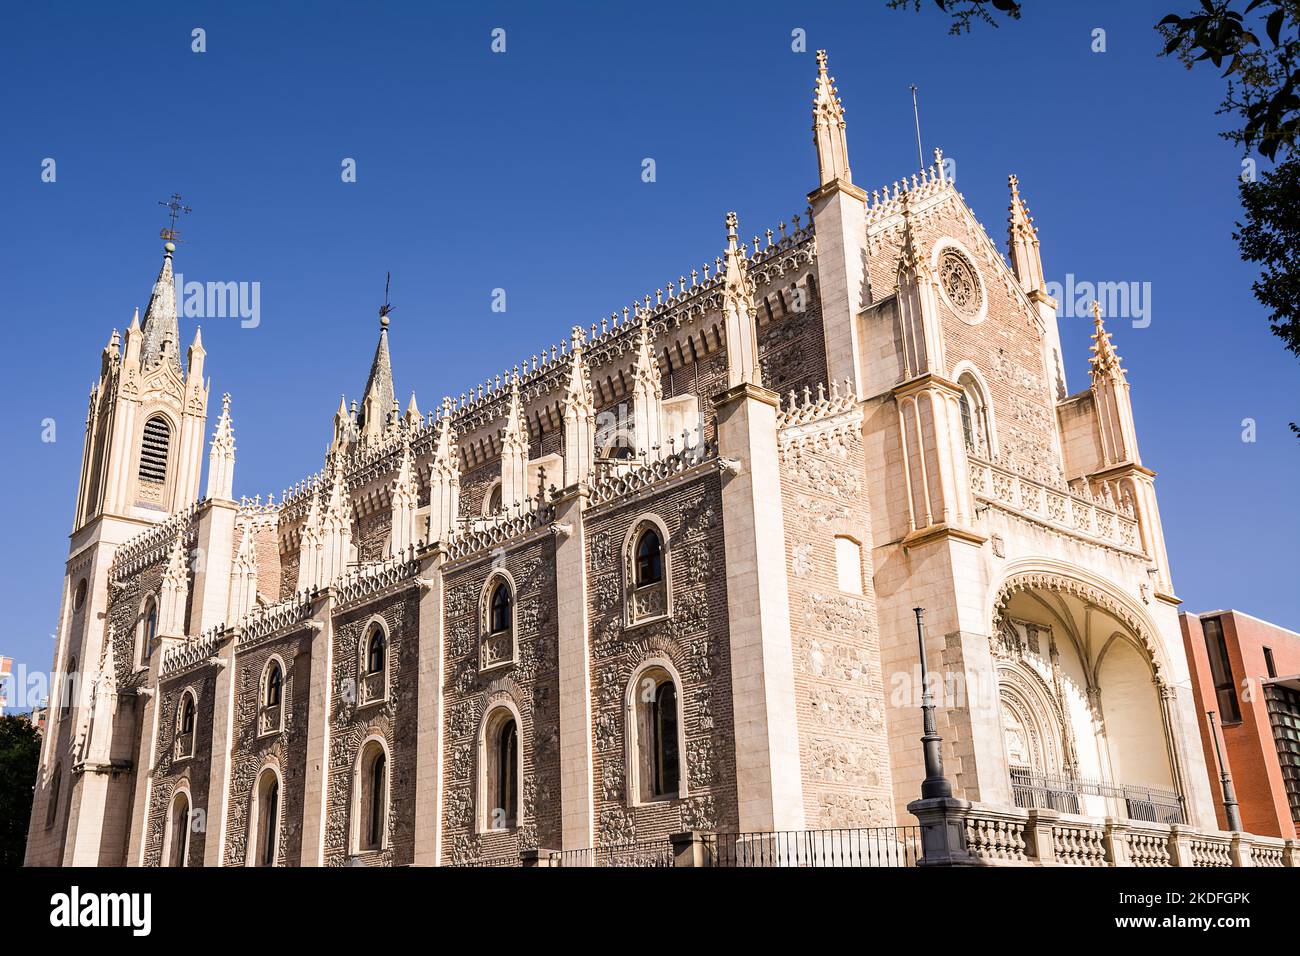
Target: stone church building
{"x": 657, "y": 580}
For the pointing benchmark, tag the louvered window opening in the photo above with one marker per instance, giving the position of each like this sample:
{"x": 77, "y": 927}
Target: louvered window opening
{"x": 153, "y": 452}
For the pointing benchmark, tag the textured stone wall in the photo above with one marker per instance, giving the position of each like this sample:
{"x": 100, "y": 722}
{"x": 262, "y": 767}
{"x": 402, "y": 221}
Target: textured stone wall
{"x": 844, "y": 747}
{"x": 792, "y": 350}
{"x": 1005, "y": 346}
{"x": 191, "y": 772}
{"x": 531, "y": 685}
{"x": 352, "y": 721}
{"x": 694, "y": 640}
{"x": 250, "y": 751}
{"x": 372, "y": 534}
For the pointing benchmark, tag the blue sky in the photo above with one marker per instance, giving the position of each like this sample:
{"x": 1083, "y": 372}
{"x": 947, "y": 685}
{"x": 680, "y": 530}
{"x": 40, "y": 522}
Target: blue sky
{"x": 522, "y": 171}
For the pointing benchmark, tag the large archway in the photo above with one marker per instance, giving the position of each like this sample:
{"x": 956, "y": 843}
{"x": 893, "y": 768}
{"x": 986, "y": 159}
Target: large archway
{"x": 1084, "y": 708}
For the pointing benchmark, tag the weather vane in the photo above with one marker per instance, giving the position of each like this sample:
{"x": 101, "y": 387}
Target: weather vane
{"x": 386, "y": 307}
{"x": 176, "y": 207}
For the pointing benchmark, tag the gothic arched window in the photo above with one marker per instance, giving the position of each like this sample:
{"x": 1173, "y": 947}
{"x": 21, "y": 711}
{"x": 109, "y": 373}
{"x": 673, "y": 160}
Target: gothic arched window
{"x": 272, "y": 709}
{"x": 374, "y": 664}
{"x": 646, "y": 571}
{"x": 500, "y": 771}
{"x": 265, "y": 823}
{"x": 148, "y": 628}
{"x": 372, "y": 797}
{"x": 185, "y": 725}
{"x": 497, "y": 640}
{"x": 649, "y": 558}
{"x": 177, "y": 851}
{"x": 976, "y": 422}
{"x": 154, "y": 448}
{"x": 654, "y": 737}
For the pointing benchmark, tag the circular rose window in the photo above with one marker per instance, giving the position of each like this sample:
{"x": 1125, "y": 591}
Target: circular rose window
{"x": 959, "y": 282}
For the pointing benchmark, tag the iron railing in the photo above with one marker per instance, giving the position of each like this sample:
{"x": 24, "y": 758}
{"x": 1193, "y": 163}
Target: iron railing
{"x": 848, "y": 847}
{"x": 1031, "y": 789}
{"x": 646, "y": 853}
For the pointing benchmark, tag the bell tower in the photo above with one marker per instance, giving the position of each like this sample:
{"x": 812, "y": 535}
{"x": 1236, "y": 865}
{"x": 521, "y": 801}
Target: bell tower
{"x": 143, "y": 450}
{"x": 141, "y": 462}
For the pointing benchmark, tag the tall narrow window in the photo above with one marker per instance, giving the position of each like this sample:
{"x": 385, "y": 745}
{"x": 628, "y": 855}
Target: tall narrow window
{"x": 377, "y": 800}
{"x": 654, "y": 736}
{"x": 268, "y": 819}
{"x": 646, "y": 571}
{"x": 178, "y": 850}
{"x": 501, "y": 608}
{"x": 52, "y": 807}
{"x": 664, "y": 721}
{"x": 153, "y": 449}
{"x": 1216, "y": 647}
{"x": 149, "y": 629}
{"x": 497, "y": 623}
{"x": 272, "y": 698}
{"x": 1269, "y": 666}
{"x": 499, "y": 771}
{"x": 185, "y": 726}
{"x": 371, "y": 806}
{"x": 967, "y": 425}
{"x": 375, "y": 651}
{"x": 374, "y": 664}
{"x": 507, "y": 801}
{"x": 976, "y": 425}
{"x": 649, "y": 558}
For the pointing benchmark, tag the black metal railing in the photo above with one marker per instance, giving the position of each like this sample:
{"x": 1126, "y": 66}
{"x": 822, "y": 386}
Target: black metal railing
{"x": 849, "y": 847}
{"x": 1031, "y": 789}
{"x": 645, "y": 853}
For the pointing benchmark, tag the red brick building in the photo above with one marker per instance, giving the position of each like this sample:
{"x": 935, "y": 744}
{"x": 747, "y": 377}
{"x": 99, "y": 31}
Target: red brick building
{"x": 1248, "y": 672}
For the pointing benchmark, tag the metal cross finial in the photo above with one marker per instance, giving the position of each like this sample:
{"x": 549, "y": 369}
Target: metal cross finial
{"x": 176, "y": 208}
{"x": 386, "y": 307}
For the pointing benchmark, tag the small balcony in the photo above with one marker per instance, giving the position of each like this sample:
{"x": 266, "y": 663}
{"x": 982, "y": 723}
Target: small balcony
{"x": 1080, "y": 795}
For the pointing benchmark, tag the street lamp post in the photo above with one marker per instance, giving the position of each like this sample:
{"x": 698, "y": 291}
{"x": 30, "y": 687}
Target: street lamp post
{"x": 942, "y": 816}
{"x": 1230, "y": 807}
{"x": 935, "y": 783}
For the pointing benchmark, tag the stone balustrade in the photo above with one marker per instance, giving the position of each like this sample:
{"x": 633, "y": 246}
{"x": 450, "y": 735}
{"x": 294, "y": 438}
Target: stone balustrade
{"x": 1066, "y": 510}
{"x": 1000, "y": 837}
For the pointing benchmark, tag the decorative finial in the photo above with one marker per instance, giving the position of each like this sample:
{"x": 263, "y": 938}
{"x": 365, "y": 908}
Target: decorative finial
{"x": 175, "y": 207}
{"x": 386, "y": 307}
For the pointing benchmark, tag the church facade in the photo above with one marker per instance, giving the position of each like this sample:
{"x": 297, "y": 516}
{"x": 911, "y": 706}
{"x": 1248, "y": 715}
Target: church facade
{"x": 657, "y": 581}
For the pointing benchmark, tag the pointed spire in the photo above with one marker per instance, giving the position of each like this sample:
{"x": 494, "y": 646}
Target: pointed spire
{"x": 413, "y": 416}
{"x": 647, "y": 396}
{"x": 738, "y": 312}
{"x": 405, "y": 501}
{"x": 579, "y": 416}
{"x": 221, "y": 456}
{"x": 910, "y": 257}
{"x": 377, "y": 399}
{"x": 175, "y": 586}
{"x": 828, "y": 127}
{"x": 243, "y": 577}
{"x": 1022, "y": 242}
{"x": 444, "y": 479}
{"x": 514, "y": 452}
{"x": 1105, "y": 360}
{"x": 161, "y": 336}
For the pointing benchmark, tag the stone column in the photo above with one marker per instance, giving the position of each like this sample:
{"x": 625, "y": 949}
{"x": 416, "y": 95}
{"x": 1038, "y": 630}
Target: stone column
{"x": 429, "y": 713}
{"x": 768, "y": 782}
{"x": 224, "y": 687}
{"x": 321, "y": 689}
{"x": 576, "y": 762}
{"x": 216, "y": 543}
{"x": 839, "y": 211}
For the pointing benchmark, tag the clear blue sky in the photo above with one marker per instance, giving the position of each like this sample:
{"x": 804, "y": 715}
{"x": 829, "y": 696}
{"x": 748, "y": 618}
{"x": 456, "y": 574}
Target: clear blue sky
{"x": 523, "y": 171}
